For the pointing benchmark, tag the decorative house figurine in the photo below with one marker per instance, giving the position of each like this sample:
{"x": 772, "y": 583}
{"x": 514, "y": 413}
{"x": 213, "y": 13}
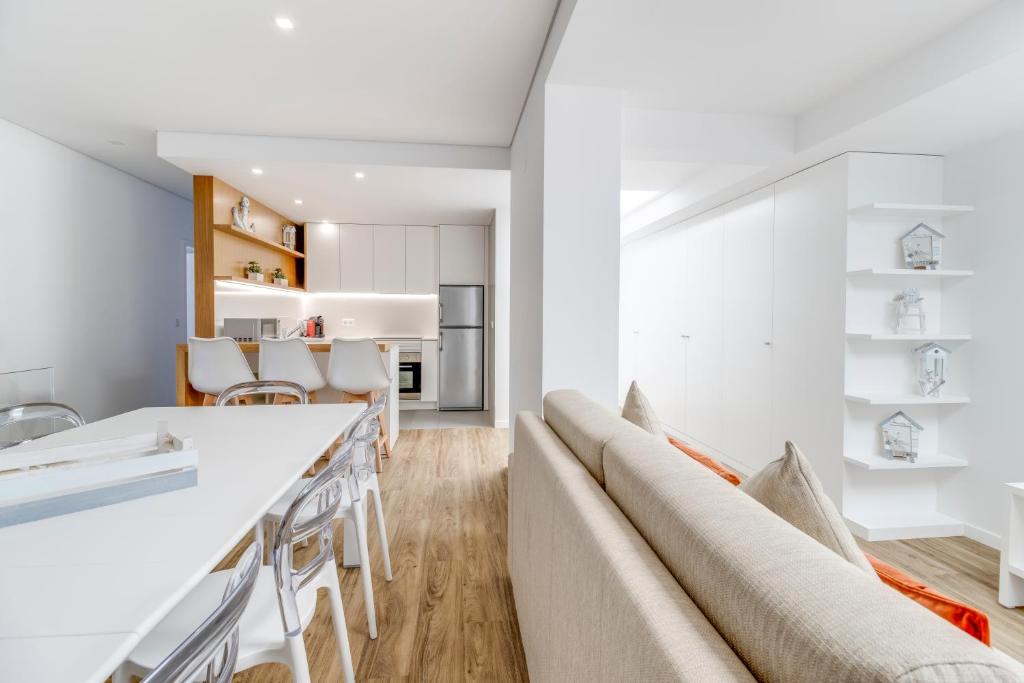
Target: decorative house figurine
{"x": 240, "y": 216}
{"x": 922, "y": 247}
{"x": 909, "y": 312}
{"x": 899, "y": 437}
{"x": 932, "y": 364}
{"x": 288, "y": 237}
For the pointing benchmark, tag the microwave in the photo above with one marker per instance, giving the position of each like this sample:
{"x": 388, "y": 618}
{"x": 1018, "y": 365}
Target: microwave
{"x": 253, "y": 329}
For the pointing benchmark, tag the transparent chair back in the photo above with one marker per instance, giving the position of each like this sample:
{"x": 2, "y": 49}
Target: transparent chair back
{"x": 363, "y": 435}
{"x": 212, "y": 649}
{"x": 19, "y": 415}
{"x": 262, "y": 387}
{"x": 310, "y": 517}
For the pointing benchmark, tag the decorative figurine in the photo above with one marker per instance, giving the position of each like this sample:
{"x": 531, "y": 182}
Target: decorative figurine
{"x": 922, "y": 247}
{"x": 240, "y": 216}
{"x": 909, "y": 312}
{"x": 899, "y": 437}
{"x": 931, "y": 369}
{"x": 288, "y": 237}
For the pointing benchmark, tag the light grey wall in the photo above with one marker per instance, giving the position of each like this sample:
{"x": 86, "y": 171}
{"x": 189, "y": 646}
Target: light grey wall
{"x": 93, "y": 275}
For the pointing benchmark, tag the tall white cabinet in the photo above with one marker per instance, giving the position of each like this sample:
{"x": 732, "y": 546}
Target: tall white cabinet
{"x": 770, "y": 319}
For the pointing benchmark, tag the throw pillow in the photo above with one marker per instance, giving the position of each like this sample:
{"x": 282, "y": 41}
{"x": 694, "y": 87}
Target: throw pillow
{"x": 637, "y": 409}
{"x": 789, "y": 488}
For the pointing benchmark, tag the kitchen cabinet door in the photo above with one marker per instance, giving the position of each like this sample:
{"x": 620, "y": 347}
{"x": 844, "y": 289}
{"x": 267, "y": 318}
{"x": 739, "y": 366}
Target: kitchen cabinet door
{"x": 323, "y": 257}
{"x": 356, "y": 258}
{"x": 421, "y": 259}
{"x": 428, "y": 371}
{"x": 389, "y": 259}
{"x": 747, "y": 330}
{"x": 463, "y": 255}
{"x": 702, "y": 326}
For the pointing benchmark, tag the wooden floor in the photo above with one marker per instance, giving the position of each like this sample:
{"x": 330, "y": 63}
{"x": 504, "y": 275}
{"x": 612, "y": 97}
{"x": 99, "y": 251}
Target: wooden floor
{"x": 449, "y": 614}
{"x": 964, "y": 570}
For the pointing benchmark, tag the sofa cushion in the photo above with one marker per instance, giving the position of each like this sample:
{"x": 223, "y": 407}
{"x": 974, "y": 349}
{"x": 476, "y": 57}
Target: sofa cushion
{"x": 789, "y": 488}
{"x": 593, "y": 601}
{"x": 706, "y": 460}
{"x": 584, "y": 426}
{"x": 637, "y": 409}
{"x": 791, "y": 608}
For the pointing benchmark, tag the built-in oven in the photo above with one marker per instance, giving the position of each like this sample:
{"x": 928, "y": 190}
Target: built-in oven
{"x": 409, "y": 374}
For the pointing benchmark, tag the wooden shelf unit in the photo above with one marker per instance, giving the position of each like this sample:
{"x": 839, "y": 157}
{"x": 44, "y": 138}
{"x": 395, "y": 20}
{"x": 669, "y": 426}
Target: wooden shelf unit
{"x": 251, "y": 283}
{"x": 222, "y": 251}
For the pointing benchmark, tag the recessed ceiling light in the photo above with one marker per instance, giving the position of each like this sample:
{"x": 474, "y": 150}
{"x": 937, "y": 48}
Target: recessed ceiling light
{"x": 360, "y": 175}
{"x": 257, "y": 171}
{"x": 284, "y": 23}
{"x": 298, "y": 202}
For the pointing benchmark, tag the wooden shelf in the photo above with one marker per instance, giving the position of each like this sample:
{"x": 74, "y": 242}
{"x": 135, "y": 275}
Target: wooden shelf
{"x": 878, "y": 462}
{"x": 909, "y": 272}
{"x": 257, "y": 240}
{"x": 262, "y": 285}
{"x": 889, "y": 336}
{"x": 873, "y": 399}
{"x": 896, "y": 210}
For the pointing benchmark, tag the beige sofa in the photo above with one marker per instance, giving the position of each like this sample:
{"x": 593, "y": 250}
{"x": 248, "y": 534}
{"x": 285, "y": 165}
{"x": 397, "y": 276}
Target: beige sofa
{"x": 630, "y": 562}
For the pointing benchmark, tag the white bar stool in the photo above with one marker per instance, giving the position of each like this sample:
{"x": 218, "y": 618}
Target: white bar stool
{"x": 216, "y": 364}
{"x": 358, "y": 372}
{"x": 290, "y": 360}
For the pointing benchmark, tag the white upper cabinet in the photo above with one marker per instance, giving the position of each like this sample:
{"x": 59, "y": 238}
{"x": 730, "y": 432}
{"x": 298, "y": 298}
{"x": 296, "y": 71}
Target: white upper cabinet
{"x": 357, "y": 258}
{"x": 463, "y": 255}
{"x": 421, "y": 259}
{"x": 323, "y": 265}
{"x": 389, "y": 259}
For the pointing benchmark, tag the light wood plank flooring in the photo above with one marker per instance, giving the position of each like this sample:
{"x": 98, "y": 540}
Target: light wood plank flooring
{"x": 449, "y": 614}
{"x": 964, "y": 570}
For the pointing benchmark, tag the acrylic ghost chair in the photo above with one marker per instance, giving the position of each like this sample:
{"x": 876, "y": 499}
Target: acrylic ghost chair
{"x": 284, "y": 599}
{"x": 290, "y": 360}
{"x": 353, "y": 510}
{"x": 211, "y": 651}
{"x": 357, "y": 370}
{"x": 32, "y": 412}
{"x": 216, "y": 364}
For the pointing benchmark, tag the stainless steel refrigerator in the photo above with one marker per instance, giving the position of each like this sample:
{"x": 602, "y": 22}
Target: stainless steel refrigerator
{"x": 461, "y": 347}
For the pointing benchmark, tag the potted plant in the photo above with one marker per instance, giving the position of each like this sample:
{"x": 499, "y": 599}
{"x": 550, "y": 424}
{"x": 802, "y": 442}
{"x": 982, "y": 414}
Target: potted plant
{"x": 280, "y": 278}
{"x": 254, "y": 271}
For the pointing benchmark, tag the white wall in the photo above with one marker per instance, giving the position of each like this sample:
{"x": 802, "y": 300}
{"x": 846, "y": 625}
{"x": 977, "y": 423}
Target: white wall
{"x": 989, "y": 176}
{"x": 94, "y": 276}
{"x": 582, "y": 167}
{"x": 500, "y": 334}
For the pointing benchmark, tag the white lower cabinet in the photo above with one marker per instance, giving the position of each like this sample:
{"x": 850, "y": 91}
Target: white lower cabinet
{"x": 428, "y": 371}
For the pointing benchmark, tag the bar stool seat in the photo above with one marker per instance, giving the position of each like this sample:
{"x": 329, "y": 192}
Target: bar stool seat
{"x": 357, "y": 370}
{"x": 216, "y": 364}
{"x": 290, "y": 360}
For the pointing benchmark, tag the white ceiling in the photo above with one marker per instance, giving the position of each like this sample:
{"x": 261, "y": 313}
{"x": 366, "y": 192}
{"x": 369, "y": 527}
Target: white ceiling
{"x": 774, "y": 57}
{"x": 88, "y": 73}
{"x": 398, "y": 195}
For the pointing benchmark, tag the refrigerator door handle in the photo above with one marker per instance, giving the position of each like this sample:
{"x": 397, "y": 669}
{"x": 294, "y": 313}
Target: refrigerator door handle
{"x": 440, "y": 340}
{"x": 441, "y": 310}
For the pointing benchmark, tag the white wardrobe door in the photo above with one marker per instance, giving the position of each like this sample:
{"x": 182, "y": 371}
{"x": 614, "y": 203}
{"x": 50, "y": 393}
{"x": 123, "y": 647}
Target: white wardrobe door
{"x": 747, "y": 330}
{"x": 702, "y": 323}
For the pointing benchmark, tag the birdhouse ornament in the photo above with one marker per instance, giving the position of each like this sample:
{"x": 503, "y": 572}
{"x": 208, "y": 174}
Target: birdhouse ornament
{"x": 922, "y": 247}
{"x": 932, "y": 366}
{"x": 900, "y": 436}
{"x": 909, "y": 312}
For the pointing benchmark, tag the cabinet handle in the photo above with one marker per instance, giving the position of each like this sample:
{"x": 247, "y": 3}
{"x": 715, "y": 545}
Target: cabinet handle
{"x": 440, "y": 308}
{"x": 767, "y": 343}
{"x": 684, "y": 336}
{"x": 440, "y": 340}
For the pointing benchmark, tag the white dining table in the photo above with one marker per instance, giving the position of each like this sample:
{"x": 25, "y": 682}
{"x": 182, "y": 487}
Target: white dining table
{"x": 79, "y": 591}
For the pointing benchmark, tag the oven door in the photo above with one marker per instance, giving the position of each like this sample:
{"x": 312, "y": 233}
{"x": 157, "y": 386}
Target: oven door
{"x": 409, "y": 380}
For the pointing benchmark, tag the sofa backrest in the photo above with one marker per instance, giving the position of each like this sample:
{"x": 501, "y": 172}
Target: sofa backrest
{"x": 791, "y": 609}
{"x": 584, "y": 426}
{"x": 594, "y": 603}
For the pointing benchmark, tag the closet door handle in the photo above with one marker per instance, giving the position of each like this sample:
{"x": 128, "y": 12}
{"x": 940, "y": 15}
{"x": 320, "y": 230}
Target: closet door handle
{"x": 440, "y": 340}
{"x": 684, "y": 336}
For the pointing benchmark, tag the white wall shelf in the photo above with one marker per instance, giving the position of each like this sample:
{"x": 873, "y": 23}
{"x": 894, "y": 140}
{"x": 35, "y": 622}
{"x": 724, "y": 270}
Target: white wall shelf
{"x": 888, "y": 525}
{"x": 889, "y": 336}
{"x": 878, "y": 462}
{"x": 908, "y": 272}
{"x": 914, "y": 211}
{"x": 879, "y": 399}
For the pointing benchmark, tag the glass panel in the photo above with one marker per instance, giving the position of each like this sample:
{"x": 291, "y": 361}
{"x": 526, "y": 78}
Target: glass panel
{"x": 27, "y": 386}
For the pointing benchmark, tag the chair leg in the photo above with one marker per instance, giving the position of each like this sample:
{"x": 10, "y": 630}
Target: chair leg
{"x": 121, "y": 675}
{"x": 378, "y": 463}
{"x": 299, "y": 664}
{"x": 382, "y": 532}
{"x": 364, "y": 568}
{"x": 340, "y": 627}
{"x": 209, "y": 399}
